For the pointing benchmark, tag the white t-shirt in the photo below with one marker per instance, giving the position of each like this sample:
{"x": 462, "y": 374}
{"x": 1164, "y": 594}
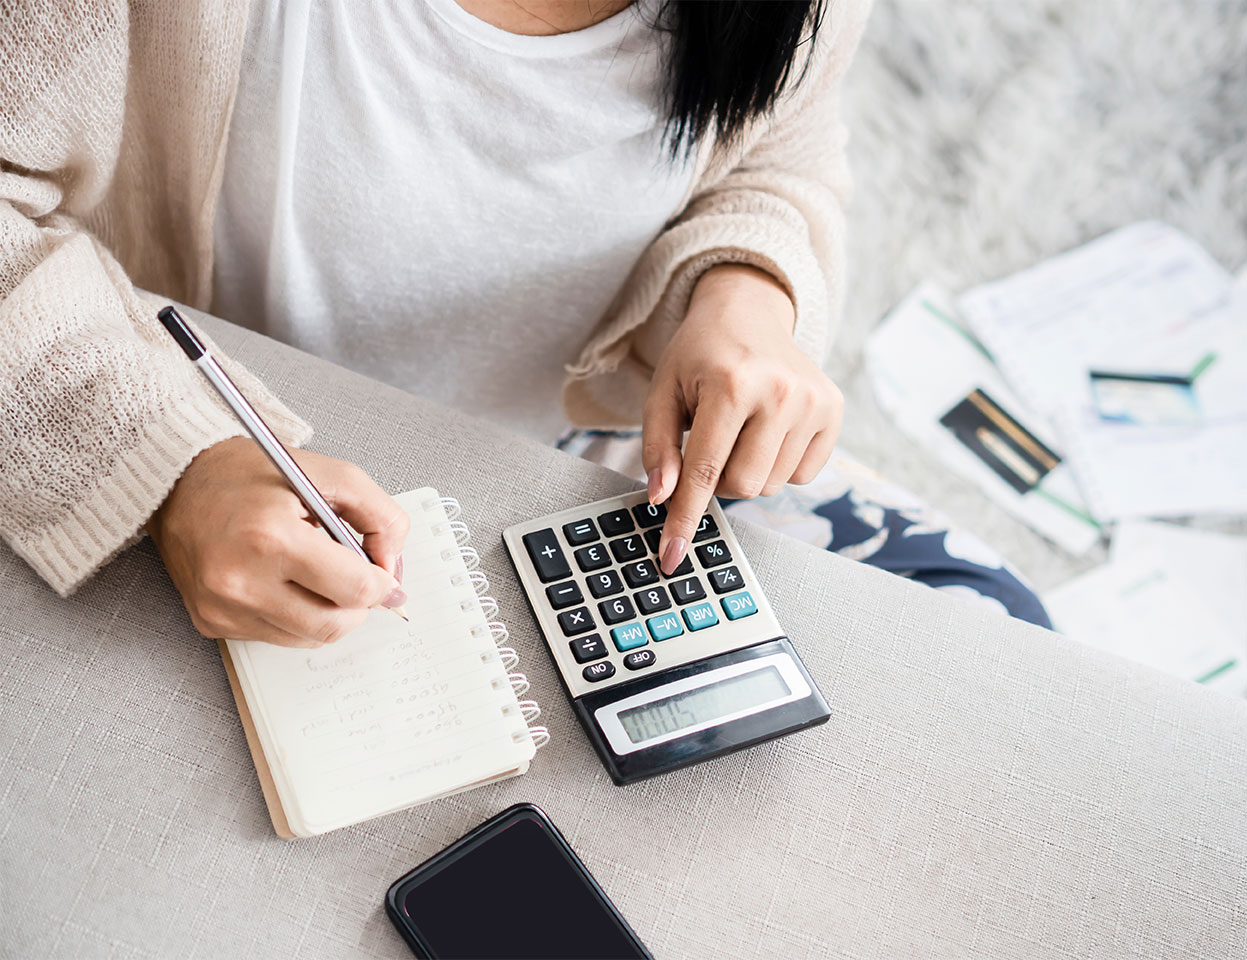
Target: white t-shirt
{"x": 437, "y": 203}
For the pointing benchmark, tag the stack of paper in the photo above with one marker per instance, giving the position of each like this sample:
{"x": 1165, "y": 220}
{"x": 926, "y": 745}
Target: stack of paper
{"x": 1148, "y": 305}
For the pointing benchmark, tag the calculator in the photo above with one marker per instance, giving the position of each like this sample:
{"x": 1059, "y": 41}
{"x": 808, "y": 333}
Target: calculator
{"x": 662, "y": 671}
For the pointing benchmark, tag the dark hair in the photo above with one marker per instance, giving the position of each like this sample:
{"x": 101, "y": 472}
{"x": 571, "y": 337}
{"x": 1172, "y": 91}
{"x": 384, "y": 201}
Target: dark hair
{"x": 728, "y": 61}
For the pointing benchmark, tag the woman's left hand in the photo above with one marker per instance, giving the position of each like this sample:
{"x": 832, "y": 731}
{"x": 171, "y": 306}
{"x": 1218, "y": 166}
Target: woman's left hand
{"x": 759, "y": 412}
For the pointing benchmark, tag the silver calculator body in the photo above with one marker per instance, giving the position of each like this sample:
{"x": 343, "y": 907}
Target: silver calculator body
{"x": 662, "y": 671}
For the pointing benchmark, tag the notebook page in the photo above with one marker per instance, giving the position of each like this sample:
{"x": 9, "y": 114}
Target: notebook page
{"x": 395, "y": 713}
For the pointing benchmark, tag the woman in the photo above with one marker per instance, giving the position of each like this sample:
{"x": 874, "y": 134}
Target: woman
{"x": 463, "y": 198}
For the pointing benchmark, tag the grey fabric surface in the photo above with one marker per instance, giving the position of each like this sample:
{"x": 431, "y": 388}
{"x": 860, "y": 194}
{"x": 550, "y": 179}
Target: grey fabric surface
{"x": 984, "y": 788}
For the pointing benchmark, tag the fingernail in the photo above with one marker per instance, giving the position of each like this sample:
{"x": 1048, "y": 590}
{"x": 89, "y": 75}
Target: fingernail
{"x": 655, "y": 485}
{"x": 395, "y": 598}
{"x": 674, "y": 553}
{"x": 398, "y": 568}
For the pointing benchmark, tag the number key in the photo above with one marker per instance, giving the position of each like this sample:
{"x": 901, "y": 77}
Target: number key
{"x": 652, "y": 537}
{"x": 617, "y": 610}
{"x": 641, "y": 574}
{"x": 627, "y": 548}
{"x": 686, "y": 591}
{"x": 605, "y": 583}
{"x": 652, "y": 600}
{"x": 648, "y": 514}
{"x": 593, "y": 557}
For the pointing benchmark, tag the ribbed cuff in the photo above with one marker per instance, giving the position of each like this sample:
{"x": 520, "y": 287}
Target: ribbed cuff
{"x": 111, "y": 519}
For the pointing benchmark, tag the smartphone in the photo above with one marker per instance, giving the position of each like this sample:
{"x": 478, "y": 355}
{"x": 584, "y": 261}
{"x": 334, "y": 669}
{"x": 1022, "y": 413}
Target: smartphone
{"x": 462, "y": 902}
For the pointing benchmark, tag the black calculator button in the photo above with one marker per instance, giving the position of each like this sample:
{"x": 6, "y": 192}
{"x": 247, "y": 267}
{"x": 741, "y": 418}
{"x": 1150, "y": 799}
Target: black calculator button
{"x": 648, "y": 514}
{"x": 617, "y": 610}
{"x": 714, "y": 554}
{"x": 546, "y": 555}
{"x": 652, "y": 600}
{"x": 686, "y": 591}
{"x": 593, "y": 557}
{"x": 588, "y": 648}
{"x": 580, "y": 532}
{"x": 616, "y": 522}
{"x": 605, "y": 583}
{"x": 602, "y": 670}
{"x": 576, "y": 621}
{"x": 652, "y": 537}
{"x": 641, "y": 574}
{"x": 683, "y": 570}
{"x": 725, "y": 580}
{"x": 706, "y": 529}
{"x": 639, "y": 659}
{"x": 628, "y": 548}
{"x": 564, "y": 594}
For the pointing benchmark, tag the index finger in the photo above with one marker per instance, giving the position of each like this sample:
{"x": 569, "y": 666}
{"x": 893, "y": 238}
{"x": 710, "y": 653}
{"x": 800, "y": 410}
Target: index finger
{"x": 710, "y": 441}
{"x": 330, "y": 570}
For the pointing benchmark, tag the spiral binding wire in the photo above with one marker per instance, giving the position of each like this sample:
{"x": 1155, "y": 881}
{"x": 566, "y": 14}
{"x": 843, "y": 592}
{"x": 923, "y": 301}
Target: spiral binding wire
{"x": 497, "y": 631}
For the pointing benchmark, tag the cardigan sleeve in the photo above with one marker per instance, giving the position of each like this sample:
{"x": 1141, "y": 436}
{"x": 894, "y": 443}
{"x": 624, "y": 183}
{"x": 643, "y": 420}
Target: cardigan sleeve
{"x": 777, "y": 205}
{"x": 100, "y": 413}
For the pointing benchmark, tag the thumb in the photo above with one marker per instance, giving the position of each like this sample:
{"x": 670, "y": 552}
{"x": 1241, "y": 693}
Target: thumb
{"x": 357, "y": 499}
{"x": 662, "y": 431}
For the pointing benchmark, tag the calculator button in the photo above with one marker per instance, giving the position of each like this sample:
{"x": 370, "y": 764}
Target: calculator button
{"x": 639, "y": 659}
{"x": 641, "y": 574}
{"x": 588, "y": 648}
{"x": 564, "y": 594}
{"x": 726, "y": 579}
{"x": 602, "y": 670}
{"x": 604, "y": 584}
{"x": 616, "y": 522}
{"x": 580, "y": 532}
{"x": 652, "y": 600}
{"x": 648, "y": 514}
{"x": 576, "y": 621}
{"x": 613, "y": 611}
{"x": 546, "y": 555}
{"x": 739, "y": 605}
{"x": 628, "y": 548}
{"x": 664, "y": 627}
{"x": 683, "y": 570}
{"x": 652, "y": 537}
{"x": 713, "y": 554}
{"x": 630, "y": 635}
{"x": 706, "y": 529}
{"x": 593, "y": 557}
{"x": 686, "y": 591}
{"x": 700, "y": 616}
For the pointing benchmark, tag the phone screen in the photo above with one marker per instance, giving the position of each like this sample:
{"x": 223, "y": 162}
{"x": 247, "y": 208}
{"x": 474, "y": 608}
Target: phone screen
{"x": 518, "y": 891}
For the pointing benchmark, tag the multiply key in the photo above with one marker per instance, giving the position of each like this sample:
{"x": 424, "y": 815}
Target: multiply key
{"x": 546, "y": 555}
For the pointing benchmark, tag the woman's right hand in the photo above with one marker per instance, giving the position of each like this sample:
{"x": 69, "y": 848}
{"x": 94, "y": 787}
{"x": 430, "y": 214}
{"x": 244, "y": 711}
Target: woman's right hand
{"x": 249, "y": 560}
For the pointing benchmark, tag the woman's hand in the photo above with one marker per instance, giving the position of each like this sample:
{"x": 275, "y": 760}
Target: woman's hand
{"x": 249, "y": 563}
{"x": 759, "y": 412}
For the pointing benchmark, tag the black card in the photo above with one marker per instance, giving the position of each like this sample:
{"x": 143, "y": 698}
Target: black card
{"x": 1015, "y": 454}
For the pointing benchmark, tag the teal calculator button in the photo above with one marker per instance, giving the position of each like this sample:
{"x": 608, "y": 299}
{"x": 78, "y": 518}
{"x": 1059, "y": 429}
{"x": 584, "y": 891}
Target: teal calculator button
{"x": 739, "y": 605}
{"x": 628, "y": 636}
{"x": 664, "y": 627}
{"x": 700, "y": 616}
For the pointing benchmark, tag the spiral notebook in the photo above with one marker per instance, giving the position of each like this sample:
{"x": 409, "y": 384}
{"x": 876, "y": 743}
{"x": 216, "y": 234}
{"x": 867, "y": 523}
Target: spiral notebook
{"x": 396, "y": 713}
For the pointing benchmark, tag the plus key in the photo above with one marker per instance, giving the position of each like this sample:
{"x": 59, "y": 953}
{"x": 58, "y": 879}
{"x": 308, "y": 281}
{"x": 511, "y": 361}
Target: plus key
{"x": 546, "y": 555}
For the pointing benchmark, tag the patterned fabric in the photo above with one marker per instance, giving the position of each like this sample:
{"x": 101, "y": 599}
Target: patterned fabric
{"x": 853, "y": 511}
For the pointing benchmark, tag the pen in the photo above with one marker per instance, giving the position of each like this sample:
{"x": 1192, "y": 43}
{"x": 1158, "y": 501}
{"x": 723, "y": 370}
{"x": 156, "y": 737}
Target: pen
{"x": 262, "y": 435}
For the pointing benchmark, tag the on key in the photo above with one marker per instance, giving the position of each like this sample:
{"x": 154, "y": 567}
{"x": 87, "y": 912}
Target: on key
{"x": 546, "y": 555}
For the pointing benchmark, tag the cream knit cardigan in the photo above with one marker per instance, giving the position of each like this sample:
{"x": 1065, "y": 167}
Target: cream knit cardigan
{"x": 113, "y": 119}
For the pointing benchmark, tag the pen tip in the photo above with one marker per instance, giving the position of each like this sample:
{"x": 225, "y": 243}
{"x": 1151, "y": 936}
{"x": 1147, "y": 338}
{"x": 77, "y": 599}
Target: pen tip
{"x": 402, "y": 613}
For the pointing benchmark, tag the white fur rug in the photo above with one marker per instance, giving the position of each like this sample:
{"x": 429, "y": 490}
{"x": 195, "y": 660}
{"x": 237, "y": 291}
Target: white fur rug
{"x": 989, "y": 134}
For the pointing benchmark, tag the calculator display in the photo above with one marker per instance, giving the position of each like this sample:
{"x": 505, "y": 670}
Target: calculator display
{"x": 702, "y": 704}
